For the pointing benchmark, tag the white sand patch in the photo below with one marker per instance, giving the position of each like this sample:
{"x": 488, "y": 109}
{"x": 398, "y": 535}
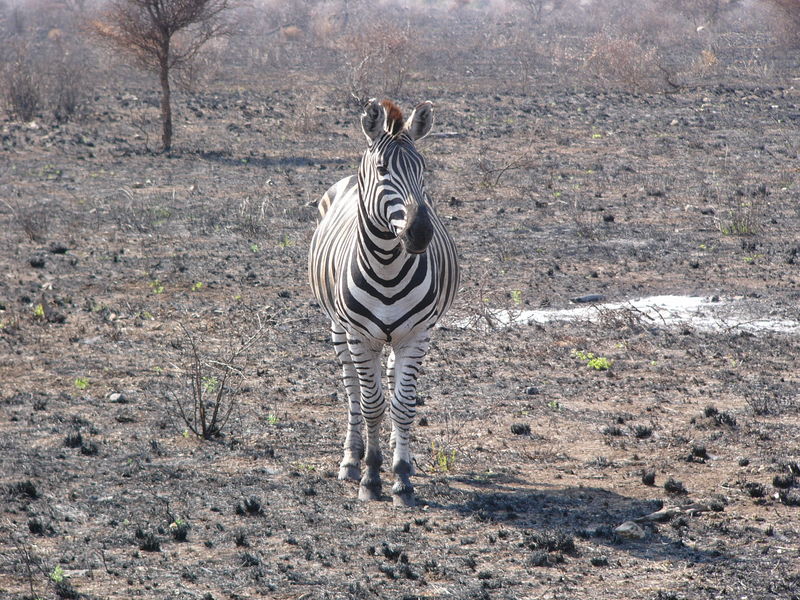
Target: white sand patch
{"x": 701, "y": 313}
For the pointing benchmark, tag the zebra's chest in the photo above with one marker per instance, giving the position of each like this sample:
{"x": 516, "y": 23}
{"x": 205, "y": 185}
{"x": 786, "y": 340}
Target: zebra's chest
{"x": 387, "y": 305}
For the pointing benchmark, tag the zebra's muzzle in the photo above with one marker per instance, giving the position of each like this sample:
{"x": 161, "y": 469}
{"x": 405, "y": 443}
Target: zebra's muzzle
{"x": 419, "y": 229}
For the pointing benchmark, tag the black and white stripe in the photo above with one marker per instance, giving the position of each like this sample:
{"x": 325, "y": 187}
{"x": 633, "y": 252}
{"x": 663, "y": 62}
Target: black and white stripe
{"x": 384, "y": 269}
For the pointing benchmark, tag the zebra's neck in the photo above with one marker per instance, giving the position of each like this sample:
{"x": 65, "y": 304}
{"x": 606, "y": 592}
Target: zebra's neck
{"x": 378, "y": 250}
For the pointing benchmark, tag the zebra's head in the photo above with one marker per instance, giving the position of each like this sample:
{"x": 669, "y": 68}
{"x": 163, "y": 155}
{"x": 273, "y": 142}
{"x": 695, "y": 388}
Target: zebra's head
{"x": 391, "y": 176}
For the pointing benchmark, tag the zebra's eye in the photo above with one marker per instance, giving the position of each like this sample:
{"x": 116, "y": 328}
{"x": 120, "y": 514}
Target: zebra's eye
{"x": 382, "y": 170}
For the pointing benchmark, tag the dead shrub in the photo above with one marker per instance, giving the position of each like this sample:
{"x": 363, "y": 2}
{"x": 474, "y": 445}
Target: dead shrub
{"x": 51, "y": 75}
{"x": 33, "y": 219}
{"x": 377, "y": 59}
{"x": 786, "y": 22}
{"x": 308, "y": 118}
{"x": 213, "y": 380}
{"x": 23, "y": 87}
{"x": 706, "y": 63}
{"x": 203, "y": 68}
{"x": 69, "y": 80}
{"x": 625, "y": 62}
{"x": 292, "y": 33}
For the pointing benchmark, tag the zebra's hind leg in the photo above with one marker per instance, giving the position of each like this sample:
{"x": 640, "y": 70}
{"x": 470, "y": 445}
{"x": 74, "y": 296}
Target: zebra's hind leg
{"x": 350, "y": 467}
{"x": 367, "y": 364}
{"x": 408, "y": 360}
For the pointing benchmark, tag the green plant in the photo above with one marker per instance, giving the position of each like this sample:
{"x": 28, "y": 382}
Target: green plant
{"x": 210, "y": 384}
{"x": 442, "y": 458}
{"x": 272, "y": 419}
{"x": 516, "y": 297}
{"x": 81, "y": 383}
{"x": 197, "y": 286}
{"x": 57, "y": 574}
{"x": 255, "y": 248}
{"x": 38, "y": 311}
{"x": 157, "y": 287}
{"x": 286, "y": 242}
{"x": 598, "y": 363}
{"x": 179, "y": 529}
{"x": 741, "y": 220}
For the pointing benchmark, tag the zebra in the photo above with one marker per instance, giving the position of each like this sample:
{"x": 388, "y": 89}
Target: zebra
{"x": 384, "y": 269}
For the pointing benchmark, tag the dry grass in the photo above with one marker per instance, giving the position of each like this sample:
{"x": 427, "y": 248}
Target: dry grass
{"x": 624, "y": 62}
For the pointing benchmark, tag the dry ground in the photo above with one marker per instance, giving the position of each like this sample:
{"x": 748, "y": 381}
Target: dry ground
{"x": 528, "y": 459}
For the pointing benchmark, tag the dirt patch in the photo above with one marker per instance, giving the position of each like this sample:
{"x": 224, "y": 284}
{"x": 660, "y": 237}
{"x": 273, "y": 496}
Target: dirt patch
{"x": 529, "y": 457}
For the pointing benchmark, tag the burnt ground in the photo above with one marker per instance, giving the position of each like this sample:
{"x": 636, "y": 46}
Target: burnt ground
{"x": 114, "y": 257}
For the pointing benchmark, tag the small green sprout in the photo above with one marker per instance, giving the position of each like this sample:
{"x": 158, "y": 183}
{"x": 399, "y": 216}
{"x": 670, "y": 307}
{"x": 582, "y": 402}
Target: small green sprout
{"x": 272, "y": 419}
{"x": 38, "y": 311}
{"x": 598, "y": 363}
{"x": 286, "y": 242}
{"x": 210, "y": 384}
{"x": 255, "y": 248}
{"x": 57, "y": 574}
{"x": 81, "y": 383}
{"x": 443, "y": 460}
{"x": 516, "y": 297}
{"x": 157, "y": 286}
{"x": 197, "y": 286}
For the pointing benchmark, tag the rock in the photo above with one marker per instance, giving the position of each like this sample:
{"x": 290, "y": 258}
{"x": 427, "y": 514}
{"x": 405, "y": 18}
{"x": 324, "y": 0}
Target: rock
{"x": 630, "y": 531}
{"x": 58, "y": 248}
{"x": 520, "y": 429}
{"x": 588, "y": 298}
{"x": 37, "y": 262}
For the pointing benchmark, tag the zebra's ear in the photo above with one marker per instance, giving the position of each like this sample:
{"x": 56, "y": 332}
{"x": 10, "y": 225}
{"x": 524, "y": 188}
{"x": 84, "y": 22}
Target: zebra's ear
{"x": 373, "y": 121}
{"x": 420, "y": 122}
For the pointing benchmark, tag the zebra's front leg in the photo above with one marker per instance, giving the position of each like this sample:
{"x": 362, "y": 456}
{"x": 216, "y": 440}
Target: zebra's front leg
{"x": 350, "y": 467}
{"x": 390, "y": 378}
{"x": 367, "y": 364}
{"x": 408, "y": 360}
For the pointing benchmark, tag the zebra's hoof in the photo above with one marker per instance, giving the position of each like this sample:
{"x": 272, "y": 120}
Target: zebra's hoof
{"x": 350, "y": 472}
{"x": 369, "y": 492}
{"x": 404, "y": 500}
{"x": 403, "y": 493}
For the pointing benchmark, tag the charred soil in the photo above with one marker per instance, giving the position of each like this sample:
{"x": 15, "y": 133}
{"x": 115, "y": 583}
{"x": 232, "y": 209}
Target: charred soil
{"x": 116, "y": 259}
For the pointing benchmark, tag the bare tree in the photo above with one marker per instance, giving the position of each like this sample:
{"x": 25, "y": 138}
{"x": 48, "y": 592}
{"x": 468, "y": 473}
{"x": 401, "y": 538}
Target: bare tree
{"x": 703, "y": 13}
{"x": 162, "y": 35}
{"x": 538, "y": 9}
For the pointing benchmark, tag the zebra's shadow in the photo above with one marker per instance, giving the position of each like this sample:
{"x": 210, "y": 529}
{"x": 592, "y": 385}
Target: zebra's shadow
{"x": 589, "y": 513}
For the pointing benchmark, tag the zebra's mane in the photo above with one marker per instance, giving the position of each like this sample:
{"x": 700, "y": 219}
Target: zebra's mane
{"x": 394, "y": 117}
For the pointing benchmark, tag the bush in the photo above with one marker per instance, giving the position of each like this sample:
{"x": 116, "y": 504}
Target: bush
{"x": 214, "y": 382}
{"x": 378, "y": 58}
{"x": 620, "y": 61}
{"x": 52, "y": 75}
{"x": 22, "y": 83}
